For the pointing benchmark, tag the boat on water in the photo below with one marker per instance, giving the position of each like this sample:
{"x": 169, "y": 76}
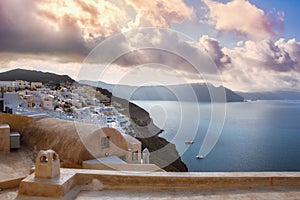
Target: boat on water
{"x": 188, "y": 142}
{"x": 199, "y": 156}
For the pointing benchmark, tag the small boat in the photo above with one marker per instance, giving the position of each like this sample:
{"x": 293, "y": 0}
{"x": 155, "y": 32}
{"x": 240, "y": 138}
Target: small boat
{"x": 188, "y": 142}
{"x": 199, "y": 157}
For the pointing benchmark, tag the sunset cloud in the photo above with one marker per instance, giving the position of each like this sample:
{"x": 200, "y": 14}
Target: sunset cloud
{"x": 241, "y": 17}
{"x": 159, "y": 13}
{"x": 267, "y": 55}
{"x": 92, "y": 19}
{"x": 264, "y": 65}
{"x": 153, "y": 46}
{"x": 21, "y": 31}
{"x": 104, "y": 18}
{"x": 252, "y": 79}
{"x": 77, "y": 26}
{"x": 292, "y": 47}
{"x": 239, "y": 37}
{"x": 215, "y": 51}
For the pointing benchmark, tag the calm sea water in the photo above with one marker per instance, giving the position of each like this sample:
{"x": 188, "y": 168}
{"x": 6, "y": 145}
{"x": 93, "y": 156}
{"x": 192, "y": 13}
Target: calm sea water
{"x": 256, "y": 136}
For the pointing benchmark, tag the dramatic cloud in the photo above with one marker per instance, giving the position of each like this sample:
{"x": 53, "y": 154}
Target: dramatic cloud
{"x": 242, "y": 17}
{"x": 252, "y": 79}
{"x": 160, "y": 13}
{"x": 292, "y": 47}
{"x": 158, "y": 47}
{"x": 76, "y": 26}
{"x": 215, "y": 51}
{"x": 93, "y": 19}
{"x": 57, "y": 35}
{"x": 266, "y": 54}
{"x": 22, "y": 31}
{"x": 264, "y": 65}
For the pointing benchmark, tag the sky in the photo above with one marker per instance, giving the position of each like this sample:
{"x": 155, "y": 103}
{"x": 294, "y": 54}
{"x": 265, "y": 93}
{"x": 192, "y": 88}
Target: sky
{"x": 244, "y": 45}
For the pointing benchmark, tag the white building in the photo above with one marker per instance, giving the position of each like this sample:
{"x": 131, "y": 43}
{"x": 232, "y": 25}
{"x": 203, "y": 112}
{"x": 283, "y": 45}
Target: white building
{"x": 8, "y": 84}
{"x": 11, "y": 100}
{"x": 29, "y": 99}
{"x": 37, "y": 98}
{"x": 48, "y": 102}
{"x": 80, "y": 92}
{"x": 77, "y": 103}
{"x": 22, "y": 84}
{"x": 35, "y": 85}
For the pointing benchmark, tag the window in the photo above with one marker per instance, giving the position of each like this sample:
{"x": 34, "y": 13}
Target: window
{"x": 104, "y": 142}
{"x": 135, "y": 155}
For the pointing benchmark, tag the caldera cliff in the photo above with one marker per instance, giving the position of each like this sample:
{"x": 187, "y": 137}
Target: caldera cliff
{"x": 163, "y": 153}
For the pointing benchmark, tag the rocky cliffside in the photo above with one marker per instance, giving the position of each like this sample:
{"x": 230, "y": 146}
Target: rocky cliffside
{"x": 163, "y": 153}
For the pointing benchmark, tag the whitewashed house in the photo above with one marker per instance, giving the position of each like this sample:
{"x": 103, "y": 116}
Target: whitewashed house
{"x": 22, "y": 84}
{"x": 44, "y": 90}
{"x": 29, "y": 99}
{"x": 92, "y": 101}
{"x": 77, "y": 103}
{"x": 35, "y": 85}
{"x": 48, "y": 102}
{"x": 38, "y": 103}
{"x": 8, "y": 85}
{"x": 65, "y": 93}
{"x": 80, "y": 92}
{"x": 11, "y": 100}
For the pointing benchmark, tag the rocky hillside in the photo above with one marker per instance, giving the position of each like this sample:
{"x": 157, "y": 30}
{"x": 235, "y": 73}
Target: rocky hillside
{"x": 35, "y": 76}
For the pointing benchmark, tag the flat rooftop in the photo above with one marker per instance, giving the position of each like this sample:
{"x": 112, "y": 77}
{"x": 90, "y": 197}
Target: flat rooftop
{"x": 108, "y": 160}
{"x": 221, "y": 194}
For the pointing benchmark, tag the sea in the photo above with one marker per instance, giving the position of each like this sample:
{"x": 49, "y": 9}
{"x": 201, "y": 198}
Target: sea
{"x": 236, "y": 137}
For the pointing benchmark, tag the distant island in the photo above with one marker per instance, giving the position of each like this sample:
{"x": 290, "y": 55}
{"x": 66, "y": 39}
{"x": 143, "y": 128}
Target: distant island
{"x": 168, "y": 93}
{"x": 274, "y": 95}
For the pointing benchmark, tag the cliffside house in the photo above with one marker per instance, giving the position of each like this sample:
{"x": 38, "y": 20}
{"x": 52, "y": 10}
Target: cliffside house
{"x": 48, "y": 102}
{"x": 11, "y": 102}
{"x": 22, "y": 85}
{"x": 35, "y": 85}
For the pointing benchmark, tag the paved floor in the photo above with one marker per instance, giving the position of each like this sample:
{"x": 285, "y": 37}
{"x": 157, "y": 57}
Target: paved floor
{"x": 16, "y": 164}
{"x": 289, "y": 193}
{"x": 8, "y": 194}
{"x": 257, "y": 194}
{"x": 19, "y": 162}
